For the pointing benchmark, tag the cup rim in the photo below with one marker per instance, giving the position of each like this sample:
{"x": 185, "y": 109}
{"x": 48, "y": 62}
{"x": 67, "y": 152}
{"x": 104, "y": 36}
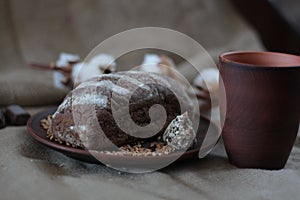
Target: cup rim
{"x": 222, "y": 58}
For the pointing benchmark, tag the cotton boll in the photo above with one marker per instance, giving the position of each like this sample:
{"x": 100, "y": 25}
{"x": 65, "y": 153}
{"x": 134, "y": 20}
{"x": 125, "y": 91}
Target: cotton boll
{"x": 63, "y": 61}
{"x": 161, "y": 64}
{"x": 150, "y": 63}
{"x": 100, "y": 64}
{"x": 104, "y": 62}
{"x": 208, "y": 80}
{"x": 66, "y": 58}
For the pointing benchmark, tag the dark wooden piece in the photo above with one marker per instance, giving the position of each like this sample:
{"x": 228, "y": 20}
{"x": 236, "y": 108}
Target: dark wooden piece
{"x": 263, "y": 107}
{"x": 2, "y": 118}
{"x": 16, "y": 115}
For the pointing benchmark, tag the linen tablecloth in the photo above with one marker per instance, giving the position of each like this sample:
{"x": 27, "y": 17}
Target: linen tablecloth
{"x": 29, "y": 170}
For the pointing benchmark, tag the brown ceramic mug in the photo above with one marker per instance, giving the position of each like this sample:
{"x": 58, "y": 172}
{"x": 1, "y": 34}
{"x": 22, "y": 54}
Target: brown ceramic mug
{"x": 262, "y": 103}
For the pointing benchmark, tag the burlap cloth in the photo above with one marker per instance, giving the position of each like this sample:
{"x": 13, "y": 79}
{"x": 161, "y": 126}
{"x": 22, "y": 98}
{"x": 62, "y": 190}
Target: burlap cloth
{"x": 40, "y": 30}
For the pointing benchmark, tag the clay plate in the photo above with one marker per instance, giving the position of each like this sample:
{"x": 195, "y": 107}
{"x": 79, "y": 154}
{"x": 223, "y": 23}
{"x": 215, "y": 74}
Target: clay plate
{"x": 37, "y": 132}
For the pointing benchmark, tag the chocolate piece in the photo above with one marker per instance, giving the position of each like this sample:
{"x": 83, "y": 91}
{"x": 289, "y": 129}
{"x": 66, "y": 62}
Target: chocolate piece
{"x": 16, "y": 115}
{"x": 2, "y": 118}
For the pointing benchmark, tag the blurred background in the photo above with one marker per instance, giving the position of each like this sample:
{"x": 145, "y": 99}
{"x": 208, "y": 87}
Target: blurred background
{"x": 38, "y": 31}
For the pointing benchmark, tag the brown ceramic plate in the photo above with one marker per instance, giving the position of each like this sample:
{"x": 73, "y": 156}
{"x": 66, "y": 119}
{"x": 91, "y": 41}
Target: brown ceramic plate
{"x": 37, "y": 132}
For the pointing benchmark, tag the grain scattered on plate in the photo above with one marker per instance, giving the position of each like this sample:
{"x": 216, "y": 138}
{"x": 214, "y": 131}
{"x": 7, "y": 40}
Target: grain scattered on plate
{"x": 156, "y": 148}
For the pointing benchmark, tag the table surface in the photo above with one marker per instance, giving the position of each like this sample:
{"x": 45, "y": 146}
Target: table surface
{"x": 29, "y": 170}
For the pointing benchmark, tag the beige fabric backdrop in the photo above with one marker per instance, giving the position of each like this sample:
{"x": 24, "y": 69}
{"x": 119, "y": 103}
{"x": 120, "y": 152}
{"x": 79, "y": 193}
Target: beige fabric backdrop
{"x": 37, "y": 31}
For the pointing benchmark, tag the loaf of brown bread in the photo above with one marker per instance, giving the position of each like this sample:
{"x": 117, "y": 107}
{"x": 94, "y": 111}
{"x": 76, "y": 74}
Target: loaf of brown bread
{"x": 73, "y": 121}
